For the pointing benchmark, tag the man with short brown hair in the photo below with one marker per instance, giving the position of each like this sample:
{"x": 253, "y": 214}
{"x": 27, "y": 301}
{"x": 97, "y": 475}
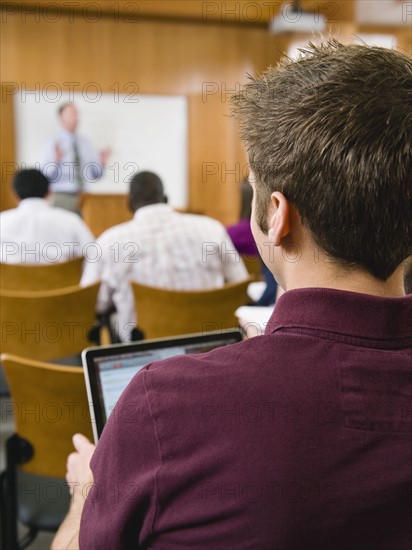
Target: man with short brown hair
{"x": 301, "y": 438}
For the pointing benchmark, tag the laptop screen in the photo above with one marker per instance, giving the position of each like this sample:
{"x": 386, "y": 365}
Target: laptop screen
{"x": 109, "y": 369}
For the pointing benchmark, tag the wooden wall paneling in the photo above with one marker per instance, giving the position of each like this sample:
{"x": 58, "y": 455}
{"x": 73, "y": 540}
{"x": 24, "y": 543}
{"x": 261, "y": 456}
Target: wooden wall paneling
{"x": 337, "y": 11}
{"x": 405, "y": 39}
{"x": 230, "y": 11}
{"x": 202, "y": 61}
{"x": 103, "y": 211}
{"x": 158, "y": 57}
{"x": 7, "y": 148}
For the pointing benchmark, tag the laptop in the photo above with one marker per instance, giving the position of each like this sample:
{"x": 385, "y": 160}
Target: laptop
{"x": 108, "y": 369}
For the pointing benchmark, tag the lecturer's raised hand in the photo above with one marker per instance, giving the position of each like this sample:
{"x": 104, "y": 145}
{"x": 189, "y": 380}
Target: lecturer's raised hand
{"x": 104, "y": 156}
{"x": 58, "y": 153}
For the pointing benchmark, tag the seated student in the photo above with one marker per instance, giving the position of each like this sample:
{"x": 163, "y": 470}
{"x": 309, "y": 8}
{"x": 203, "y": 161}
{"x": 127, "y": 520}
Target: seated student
{"x": 162, "y": 248}
{"x": 36, "y": 232}
{"x": 242, "y": 237}
{"x": 299, "y": 439}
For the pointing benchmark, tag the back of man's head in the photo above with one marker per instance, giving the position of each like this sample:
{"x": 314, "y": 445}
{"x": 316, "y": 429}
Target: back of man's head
{"x": 333, "y": 133}
{"x": 30, "y": 184}
{"x": 145, "y": 188}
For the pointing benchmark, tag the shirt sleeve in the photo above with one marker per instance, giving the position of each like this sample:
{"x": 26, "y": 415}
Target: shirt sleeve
{"x": 120, "y": 509}
{"x": 48, "y": 164}
{"x": 83, "y": 235}
{"x": 123, "y": 299}
{"x": 95, "y": 269}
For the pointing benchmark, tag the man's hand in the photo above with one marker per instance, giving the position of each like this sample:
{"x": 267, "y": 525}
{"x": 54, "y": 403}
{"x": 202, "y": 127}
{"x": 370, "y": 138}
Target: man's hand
{"x": 80, "y": 479}
{"x": 79, "y": 475}
{"x": 58, "y": 153}
{"x": 104, "y": 156}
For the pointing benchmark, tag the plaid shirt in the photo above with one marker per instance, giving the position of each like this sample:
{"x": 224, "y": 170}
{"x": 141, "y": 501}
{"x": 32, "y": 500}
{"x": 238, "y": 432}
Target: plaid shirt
{"x": 161, "y": 248}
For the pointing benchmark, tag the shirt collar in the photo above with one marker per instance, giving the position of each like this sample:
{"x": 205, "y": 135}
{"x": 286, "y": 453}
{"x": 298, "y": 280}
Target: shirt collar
{"x": 66, "y": 133}
{"x": 152, "y": 210}
{"x": 343, "y": 312}
{"x": 33, "y": 203}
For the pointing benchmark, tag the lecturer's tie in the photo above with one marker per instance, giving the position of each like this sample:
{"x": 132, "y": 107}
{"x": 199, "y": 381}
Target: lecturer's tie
{"x": 78, "y": 178}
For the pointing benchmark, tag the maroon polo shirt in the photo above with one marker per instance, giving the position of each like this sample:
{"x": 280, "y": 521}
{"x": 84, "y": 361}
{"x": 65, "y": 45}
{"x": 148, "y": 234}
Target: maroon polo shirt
{"x": 299, "y": 439}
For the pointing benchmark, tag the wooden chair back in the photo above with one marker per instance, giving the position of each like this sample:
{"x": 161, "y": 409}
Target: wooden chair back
{"x": 50, "y": 405}
{"x": 163, "y": 313}
{"x": 40, "y": 277}
{"x": 47, "y": 325}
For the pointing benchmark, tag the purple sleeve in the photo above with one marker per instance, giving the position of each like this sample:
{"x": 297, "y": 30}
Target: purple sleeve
{"x": 120, "y": 509}
{"x": 242, "y": 238}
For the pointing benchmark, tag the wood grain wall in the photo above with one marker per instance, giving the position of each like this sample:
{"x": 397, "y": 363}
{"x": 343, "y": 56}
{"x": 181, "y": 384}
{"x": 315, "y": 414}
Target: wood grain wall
{"x": 202, "y": 59}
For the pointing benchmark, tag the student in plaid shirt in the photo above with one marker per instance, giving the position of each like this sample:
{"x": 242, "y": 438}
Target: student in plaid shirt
{"x": 159, "y": 247}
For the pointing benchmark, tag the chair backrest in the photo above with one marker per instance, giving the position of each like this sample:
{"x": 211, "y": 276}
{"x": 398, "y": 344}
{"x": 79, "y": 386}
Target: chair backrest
{"x": 49, "y": 404}
{"x": 171, "y": 312}
{"x": 40, "y": 277}
{"x": 49, "y": 324}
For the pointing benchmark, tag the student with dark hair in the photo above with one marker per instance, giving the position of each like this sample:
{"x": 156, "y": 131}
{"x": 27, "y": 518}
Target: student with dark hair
{"x": 70, "y": 161}
{"x": 300, "y": 438}
{"x": 37, "y": 233}
{"x": 162, "y": 248}
{"x": 28, "y": 184}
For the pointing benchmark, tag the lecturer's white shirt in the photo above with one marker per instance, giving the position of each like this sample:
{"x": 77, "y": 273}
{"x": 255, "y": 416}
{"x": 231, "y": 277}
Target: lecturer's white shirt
{"x": 37, "y": 233}
{"x": 62, "y": 175}
{"x": 163, "y": 248}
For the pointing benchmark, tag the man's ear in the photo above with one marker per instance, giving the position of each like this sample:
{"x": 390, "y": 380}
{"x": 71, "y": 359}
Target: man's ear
{"x": 279, "y": 220}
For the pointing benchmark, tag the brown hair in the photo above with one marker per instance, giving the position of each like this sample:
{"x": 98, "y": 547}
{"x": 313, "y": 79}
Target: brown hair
{"x": 333, "y": 132}
{"x": 63, "y": 106}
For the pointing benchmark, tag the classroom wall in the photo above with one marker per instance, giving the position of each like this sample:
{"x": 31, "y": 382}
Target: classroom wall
{"x": 205, "y": 62}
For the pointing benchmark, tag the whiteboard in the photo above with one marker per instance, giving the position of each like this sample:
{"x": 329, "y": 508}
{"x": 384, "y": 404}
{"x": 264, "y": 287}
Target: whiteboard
{"x": 144, "y": 132}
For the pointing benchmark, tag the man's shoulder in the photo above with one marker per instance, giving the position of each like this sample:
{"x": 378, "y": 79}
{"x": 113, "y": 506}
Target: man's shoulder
{"x": 121, "y": 232}
{"x": 222, "y": 361}
{"x": 203, "y": 221}
{"x": 6, "y": 215}
{"x": 62, "y": 216}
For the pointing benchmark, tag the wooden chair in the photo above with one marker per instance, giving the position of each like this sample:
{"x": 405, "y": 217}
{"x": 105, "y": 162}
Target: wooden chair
{"x": 47, "y": 325}
{"x": 254, "y": 266}
{"x": 50, "y": 405}
{"x": 40, "y": 277}
{"x": 172, "y": 312}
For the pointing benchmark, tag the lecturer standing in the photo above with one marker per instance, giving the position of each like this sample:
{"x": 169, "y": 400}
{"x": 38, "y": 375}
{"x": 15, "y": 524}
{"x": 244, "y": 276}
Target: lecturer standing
{"x": 71, "y": 162}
